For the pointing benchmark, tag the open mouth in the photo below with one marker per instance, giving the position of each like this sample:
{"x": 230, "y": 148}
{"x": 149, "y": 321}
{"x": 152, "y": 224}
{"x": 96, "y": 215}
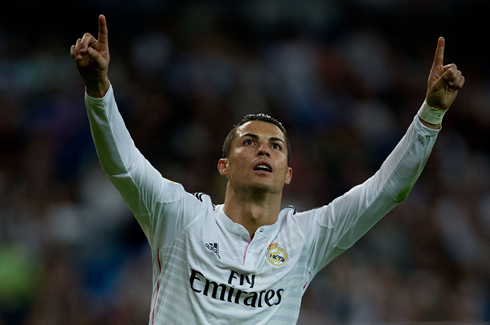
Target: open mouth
{"x": 263, "y": 167}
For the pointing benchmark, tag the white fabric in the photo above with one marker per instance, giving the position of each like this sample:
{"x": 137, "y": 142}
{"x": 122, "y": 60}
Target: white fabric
{"x": 205, "y": 268}
{"x": 430, "y": 114}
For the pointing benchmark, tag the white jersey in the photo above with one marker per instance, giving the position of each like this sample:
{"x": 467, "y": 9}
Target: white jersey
{"x": 206, "y": 270}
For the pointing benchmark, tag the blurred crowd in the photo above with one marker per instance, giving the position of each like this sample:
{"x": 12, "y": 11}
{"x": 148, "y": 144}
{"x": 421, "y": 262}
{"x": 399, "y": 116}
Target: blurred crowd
{"x": 346, "y": 78}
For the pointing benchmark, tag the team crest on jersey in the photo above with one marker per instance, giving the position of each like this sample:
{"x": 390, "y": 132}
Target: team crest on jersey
{"x": 276, "y": 255}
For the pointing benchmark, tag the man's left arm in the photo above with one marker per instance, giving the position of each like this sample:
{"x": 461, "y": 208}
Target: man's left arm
{"x": 442, "y": 88}
{"x": 341, "y": 223}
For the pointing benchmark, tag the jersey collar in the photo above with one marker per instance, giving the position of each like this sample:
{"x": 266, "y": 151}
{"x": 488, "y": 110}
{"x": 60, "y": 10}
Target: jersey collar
{"x": 240, "y": 230}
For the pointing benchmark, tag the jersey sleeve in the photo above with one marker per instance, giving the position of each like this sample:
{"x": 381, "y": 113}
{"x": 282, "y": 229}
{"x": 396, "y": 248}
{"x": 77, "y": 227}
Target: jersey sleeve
{"x": 330, "y": 230}
{"x": 157, "y": 203}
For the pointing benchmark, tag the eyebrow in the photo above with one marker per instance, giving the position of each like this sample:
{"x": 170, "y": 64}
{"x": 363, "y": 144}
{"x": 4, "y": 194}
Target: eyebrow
{"x": 256, "y": 137}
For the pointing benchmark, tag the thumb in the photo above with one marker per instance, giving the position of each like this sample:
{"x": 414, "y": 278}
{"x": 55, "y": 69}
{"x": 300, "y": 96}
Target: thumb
{"x": 447, "y": 75}
{"x": 448, "y": 78}
{"x": 95, "y": 55}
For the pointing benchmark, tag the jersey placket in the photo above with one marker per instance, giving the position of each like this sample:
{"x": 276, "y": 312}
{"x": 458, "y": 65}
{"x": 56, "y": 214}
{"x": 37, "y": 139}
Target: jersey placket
{"x": 254, "y": 247}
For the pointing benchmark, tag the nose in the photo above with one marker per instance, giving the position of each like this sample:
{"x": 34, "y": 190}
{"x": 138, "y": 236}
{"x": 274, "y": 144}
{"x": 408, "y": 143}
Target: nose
{"x": 263, "y": 151}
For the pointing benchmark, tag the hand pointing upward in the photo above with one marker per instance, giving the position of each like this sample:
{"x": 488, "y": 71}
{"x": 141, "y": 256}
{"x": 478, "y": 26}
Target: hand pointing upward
{"x": 92, "y": 59}
{"x": 444, "y": 81}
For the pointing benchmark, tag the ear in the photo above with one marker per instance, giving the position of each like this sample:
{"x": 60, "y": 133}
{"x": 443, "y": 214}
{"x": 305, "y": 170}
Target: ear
{"x": 289, "y": 176}
{"x": 223, "y": 166}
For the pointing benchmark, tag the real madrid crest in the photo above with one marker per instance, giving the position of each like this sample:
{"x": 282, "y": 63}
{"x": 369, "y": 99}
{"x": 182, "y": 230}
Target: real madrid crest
{"x": 276, "y": 255}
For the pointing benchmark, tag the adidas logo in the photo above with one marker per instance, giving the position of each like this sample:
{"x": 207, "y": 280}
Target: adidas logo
{"x": 213, "y": 247}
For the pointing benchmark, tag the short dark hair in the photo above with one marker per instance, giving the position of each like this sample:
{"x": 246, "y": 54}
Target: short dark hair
{"x": 253, "y": 117}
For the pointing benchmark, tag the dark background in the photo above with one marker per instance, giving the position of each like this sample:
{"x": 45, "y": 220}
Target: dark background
{"x": 345, "y": 77}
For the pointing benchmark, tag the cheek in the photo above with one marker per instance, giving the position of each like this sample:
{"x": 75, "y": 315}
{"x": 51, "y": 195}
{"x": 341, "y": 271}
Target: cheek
{"x": 237, "y": 161}
{"x": 239, "y": 156}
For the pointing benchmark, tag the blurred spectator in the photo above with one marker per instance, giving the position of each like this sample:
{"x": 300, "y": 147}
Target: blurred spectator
{"x": 345, "y": 77}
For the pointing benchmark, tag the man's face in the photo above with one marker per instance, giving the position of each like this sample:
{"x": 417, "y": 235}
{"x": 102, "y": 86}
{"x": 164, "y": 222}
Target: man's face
{"x": 258, "y": 159}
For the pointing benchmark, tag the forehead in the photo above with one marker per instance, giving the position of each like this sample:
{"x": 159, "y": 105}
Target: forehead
{"x": 261, "y": 129}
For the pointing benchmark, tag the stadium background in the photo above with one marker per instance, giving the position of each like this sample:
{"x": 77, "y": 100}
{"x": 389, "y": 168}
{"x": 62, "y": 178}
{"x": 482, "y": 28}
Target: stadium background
{"x": 346, "y": 78}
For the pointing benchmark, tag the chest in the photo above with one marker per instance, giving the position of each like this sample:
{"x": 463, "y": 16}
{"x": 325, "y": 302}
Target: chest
{"x": 271, "y": 259}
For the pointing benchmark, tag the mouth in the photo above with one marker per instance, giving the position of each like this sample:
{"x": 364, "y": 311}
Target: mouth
{"x": 263, "y": 167}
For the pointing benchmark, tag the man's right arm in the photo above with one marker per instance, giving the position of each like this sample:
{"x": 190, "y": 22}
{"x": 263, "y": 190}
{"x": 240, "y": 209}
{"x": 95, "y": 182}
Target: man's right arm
{"x": 140, "y": 184}
{"x": 150, "y": 197}
{"x": 92, "y": 59}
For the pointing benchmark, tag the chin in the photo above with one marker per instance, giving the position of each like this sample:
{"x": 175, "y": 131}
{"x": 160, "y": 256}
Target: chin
{"x": 264, "y": 188}
{"x": 257, "y": 186}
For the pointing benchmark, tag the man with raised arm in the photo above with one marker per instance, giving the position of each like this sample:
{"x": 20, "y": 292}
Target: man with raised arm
{"x": 246, "y": 261}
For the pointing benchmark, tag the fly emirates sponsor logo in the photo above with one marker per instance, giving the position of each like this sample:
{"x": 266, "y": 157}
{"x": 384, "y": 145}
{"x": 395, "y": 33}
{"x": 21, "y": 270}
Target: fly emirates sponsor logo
{"x": 227, "y": 292}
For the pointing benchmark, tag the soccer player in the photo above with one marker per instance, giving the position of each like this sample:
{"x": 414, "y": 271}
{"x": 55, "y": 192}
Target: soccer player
{"x": 246, "y": 261}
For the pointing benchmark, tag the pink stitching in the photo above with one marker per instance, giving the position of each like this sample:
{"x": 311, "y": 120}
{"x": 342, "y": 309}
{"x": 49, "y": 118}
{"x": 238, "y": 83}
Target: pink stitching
{"x": 158, "y": 288}
{"x": 244, "y": 255}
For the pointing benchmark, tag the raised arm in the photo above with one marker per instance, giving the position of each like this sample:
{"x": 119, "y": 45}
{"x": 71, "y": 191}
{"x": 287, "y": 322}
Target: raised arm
{"x": 141, "y": 185}
{"x": 442, "y": 88}
{"x": 341, "y": 223}
{"x": 92, "y": 59}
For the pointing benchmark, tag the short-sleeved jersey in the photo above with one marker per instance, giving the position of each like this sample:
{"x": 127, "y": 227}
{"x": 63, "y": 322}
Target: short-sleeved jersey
{"x": 206, "y": 270}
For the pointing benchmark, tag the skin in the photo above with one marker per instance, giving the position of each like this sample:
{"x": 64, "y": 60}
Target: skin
{"x": 443, "y": 83}
{"x": 253, "y": 198}
{"x": 92, "y": 59}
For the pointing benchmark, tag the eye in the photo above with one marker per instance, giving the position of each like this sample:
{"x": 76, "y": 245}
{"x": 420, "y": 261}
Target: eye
{"x": 248, "y": 142}
{"x": 276, "y": 146}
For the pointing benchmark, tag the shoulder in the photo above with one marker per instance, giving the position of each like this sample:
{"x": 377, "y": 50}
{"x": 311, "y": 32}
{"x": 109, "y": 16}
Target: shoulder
{"x": 308, "y": 220}
{"x": 204, "y": 199}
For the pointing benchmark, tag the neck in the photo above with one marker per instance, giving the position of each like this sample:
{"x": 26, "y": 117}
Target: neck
{"x": 252, "y": 210}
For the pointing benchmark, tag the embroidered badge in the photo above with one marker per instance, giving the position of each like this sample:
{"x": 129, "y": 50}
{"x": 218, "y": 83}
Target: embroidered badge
{"x": 276, "y": 255}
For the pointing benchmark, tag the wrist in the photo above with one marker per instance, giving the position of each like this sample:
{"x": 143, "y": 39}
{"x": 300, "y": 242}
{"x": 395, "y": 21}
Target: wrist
{"x": 430, "y": 114}
{"x": 97, "y": 89}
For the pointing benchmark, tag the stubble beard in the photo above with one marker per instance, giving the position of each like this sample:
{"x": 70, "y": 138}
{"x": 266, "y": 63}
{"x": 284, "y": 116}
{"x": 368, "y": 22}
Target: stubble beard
{"x": 256, "y": 191}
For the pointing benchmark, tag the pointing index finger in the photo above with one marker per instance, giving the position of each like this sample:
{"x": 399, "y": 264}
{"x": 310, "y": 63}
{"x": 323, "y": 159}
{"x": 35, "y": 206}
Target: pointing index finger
{"x": 439, "y": 57}
{"x": 102, "y": 30}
